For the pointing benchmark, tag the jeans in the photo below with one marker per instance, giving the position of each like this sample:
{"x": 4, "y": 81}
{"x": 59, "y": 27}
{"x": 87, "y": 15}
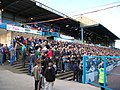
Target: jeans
{"x": 1, "y": 59}
{"x": 49, "y": 85}
{"x": 17, "y": 54}
{"x": 30, "y": 63}
{"x": 66, "y": 66}
{"x": 30, "y": 66}
{"x": 12, "y": 59}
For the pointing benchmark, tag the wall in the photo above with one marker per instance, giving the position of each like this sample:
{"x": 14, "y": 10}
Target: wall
{"x": 5, "y": 37}
{"x": 26, "y": 35}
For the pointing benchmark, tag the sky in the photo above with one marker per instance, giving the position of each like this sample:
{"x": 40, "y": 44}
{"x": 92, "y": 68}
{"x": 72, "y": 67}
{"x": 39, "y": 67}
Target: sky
{"x": 109, "y": 18}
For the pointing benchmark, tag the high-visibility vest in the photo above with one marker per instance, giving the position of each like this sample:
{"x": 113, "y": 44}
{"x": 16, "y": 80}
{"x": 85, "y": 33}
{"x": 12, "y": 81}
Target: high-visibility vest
{"x": 101, "y": 75}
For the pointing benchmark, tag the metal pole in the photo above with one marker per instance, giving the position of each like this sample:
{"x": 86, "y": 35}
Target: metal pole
{"x": 84, "y": 70}
{"x": 82, "y": 35}
{"x": 105, "y": 74}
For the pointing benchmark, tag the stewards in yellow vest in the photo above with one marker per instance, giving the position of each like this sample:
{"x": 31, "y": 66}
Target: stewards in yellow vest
{"x": 101, "y": 77}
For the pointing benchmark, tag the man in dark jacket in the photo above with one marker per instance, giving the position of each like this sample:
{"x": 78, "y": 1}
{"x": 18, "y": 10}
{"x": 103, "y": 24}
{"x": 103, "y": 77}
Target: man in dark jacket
{"x": 50, "y": 77}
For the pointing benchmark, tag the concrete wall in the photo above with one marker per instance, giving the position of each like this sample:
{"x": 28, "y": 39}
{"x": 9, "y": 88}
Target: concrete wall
{"x": 5, "y": 37}
{"x": 26, "y": 35}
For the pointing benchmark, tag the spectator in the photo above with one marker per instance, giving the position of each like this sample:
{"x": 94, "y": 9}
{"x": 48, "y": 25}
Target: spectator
{"x": 12, "y": 55}
{"x": 6, "y": 53}
{"x": 37, "y": 74}
{"x": 49, "y": 54}
{"x": 50, "y": 77}
{"x": 76, "y": 71}
{"x": 101, "y": 77}
{"x": 17, "y": 51}
{"x": 81, "y": 72}
{"x": 31, "y": 57}
{"x": 3, "y": 53}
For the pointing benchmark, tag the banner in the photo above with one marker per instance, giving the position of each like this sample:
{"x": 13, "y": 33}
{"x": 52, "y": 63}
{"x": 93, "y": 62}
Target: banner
{"x": 3, "y": 26}
{"x": 21, "y": 29}
{"x": 15, "y": 28}
{"x": 66, "y": 37}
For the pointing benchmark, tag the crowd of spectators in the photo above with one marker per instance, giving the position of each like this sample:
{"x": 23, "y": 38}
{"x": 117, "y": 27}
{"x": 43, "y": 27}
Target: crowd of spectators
{"x": 63, "y": 55}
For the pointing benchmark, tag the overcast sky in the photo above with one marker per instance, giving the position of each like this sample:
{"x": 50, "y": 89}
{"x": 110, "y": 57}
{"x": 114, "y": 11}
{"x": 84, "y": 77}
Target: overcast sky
{"x": 109, "y": 18}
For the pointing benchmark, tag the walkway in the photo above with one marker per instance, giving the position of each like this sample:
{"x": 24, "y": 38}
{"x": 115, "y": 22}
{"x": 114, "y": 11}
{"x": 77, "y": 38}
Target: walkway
{"x": 13, "y": 80}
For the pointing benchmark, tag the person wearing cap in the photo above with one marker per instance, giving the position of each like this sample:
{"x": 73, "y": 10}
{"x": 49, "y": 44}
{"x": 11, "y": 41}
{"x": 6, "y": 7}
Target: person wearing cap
{"x": 50, "y": 77}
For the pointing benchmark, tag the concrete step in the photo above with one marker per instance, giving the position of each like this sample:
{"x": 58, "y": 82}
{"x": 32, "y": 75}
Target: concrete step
{"x": 69, "y": 78}
{"x": 20, "y": 66}
{"x": 25, "y": 72}
{"x": 23, "y": 69}
{"x": 16, "y": 65}
{"x": 65, "y": 76}
{"x": 63, "y": 73}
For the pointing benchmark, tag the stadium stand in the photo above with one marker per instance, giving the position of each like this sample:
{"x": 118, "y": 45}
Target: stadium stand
{"x": 22, "y": 16}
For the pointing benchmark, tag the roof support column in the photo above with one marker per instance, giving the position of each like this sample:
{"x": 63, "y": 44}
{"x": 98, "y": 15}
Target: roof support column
{"x": 82, "y": 35}
{"x": 0, "y": 16}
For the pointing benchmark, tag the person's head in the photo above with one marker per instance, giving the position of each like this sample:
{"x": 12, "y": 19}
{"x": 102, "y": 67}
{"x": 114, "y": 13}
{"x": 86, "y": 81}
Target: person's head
{"x": 37, "y": 62}
{"x": 50, "y": 64}
{"x": 2, "y": 45}
{"x": 102, "y": 65}
{"x": 54, "y": 63}
{"x": 18, "y": 36}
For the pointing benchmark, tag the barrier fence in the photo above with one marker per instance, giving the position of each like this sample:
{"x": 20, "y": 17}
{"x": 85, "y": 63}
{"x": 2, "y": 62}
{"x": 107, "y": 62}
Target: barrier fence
{"x": 91, "y": 66}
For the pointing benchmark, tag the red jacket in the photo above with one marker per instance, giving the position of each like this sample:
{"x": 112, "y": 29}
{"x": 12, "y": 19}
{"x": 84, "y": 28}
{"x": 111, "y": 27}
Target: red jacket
{"x": 49, "y": 54}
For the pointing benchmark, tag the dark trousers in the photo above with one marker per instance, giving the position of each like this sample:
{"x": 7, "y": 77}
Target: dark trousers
{"x": 17, "y": 54}
{"x": 80, "y": 75}
{"x": 36, "y": 84}
{"x": 75, "y": 76}
{"x": 23, "y": 59}
{"x": 102, "y": 84}
{"x": 4, "y": 58}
